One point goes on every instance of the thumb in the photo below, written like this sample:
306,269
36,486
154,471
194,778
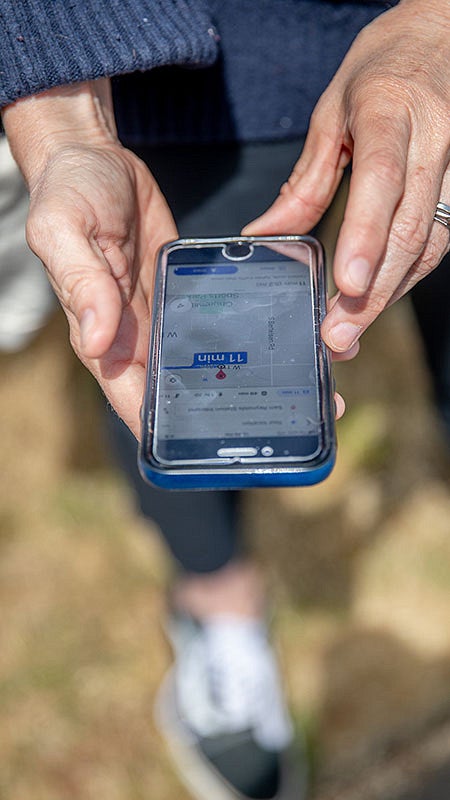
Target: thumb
88,292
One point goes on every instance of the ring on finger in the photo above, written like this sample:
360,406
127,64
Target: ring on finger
442,214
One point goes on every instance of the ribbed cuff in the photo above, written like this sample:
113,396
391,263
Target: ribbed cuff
47,43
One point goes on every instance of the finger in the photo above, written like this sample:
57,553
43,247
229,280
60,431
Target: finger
81,277
436,249
158,228
347,355
415,247
125,395
350,317
339,405
304,198
376,187
339,402
121,371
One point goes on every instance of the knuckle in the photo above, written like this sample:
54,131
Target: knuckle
378,302
385,168
75,286
410,234
433,254
363,310
306,199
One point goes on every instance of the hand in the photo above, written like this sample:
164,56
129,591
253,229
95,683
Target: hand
387,109
97,219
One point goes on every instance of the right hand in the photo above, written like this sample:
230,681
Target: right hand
387,108
97,218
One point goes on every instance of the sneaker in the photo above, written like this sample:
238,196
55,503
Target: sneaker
222,713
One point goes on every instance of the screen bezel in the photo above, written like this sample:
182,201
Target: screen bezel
309,448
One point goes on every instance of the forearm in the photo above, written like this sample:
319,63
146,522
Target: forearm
38,126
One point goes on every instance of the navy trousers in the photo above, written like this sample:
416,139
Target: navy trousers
214,190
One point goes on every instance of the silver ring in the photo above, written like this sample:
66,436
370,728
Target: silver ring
442,214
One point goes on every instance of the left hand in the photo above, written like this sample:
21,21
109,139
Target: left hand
97,219
387,109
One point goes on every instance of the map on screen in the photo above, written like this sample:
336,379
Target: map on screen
237,351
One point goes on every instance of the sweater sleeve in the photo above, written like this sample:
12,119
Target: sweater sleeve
47,43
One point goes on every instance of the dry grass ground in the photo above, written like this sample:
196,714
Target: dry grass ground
360,568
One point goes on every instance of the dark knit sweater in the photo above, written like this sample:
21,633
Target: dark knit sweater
190,70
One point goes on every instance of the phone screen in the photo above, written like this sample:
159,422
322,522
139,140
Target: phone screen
238,372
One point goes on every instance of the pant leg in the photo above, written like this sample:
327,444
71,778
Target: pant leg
200,528
212,191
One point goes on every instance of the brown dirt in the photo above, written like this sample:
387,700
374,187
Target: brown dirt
360,569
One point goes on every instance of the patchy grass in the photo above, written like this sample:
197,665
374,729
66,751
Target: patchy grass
360,568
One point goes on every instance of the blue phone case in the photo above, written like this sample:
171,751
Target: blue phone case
238,474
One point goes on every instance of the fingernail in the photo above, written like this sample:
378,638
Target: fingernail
87,324
343,335
248,229
359,273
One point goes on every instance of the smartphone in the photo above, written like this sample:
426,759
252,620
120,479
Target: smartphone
239,389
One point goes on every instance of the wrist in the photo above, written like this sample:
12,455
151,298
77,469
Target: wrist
66,116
